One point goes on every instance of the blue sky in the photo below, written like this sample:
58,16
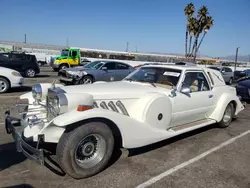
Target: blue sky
151,25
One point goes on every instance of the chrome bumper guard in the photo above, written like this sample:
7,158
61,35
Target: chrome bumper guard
15,127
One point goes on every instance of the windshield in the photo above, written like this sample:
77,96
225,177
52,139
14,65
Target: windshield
164,76
91,64
97,66
64,52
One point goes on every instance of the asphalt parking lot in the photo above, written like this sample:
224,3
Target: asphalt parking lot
209,157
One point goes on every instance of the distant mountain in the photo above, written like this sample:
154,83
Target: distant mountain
240,58
229,57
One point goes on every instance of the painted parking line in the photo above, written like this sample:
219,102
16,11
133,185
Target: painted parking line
183,165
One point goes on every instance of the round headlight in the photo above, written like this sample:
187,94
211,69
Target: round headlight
37,92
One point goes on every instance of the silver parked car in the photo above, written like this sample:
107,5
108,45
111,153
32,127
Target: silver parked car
95,71
226,72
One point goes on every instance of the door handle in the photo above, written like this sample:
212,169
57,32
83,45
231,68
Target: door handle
210,96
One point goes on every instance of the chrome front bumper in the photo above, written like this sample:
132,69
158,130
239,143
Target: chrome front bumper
15,127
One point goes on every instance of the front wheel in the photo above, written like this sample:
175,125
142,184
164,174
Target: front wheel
227,116
85,150
86,80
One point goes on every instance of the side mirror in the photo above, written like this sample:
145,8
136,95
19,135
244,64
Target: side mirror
173,92
185,90
104,68
223,71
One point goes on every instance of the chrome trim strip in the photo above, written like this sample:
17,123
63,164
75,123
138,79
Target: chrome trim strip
112,106
122,108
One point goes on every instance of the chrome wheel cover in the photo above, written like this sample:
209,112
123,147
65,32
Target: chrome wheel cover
227,115
90,151
3,86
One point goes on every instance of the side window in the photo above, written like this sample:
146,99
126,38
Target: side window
110,66
228,70
4,57
122,66
17,57
196,81
74,53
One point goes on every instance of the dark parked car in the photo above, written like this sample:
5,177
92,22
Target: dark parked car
238,74
226,72
95,71
243,87
26,64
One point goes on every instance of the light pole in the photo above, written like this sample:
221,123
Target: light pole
236,57
127,47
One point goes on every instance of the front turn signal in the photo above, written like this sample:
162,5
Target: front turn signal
82,108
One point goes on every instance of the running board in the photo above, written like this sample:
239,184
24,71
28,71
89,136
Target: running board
192,125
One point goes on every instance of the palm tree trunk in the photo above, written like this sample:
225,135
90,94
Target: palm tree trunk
186,42
190,44
194,49
204,34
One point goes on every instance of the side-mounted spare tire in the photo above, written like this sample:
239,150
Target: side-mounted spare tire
85,150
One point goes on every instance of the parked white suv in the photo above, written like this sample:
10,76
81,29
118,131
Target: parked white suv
9,78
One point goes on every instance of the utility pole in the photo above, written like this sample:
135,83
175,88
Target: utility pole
236,58
67,42
24,38
127,47
136,50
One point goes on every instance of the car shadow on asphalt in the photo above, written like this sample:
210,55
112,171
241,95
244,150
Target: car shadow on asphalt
9,156
20,89
20,186
42,76
52,164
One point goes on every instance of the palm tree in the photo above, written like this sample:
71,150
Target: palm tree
191,31
201,18
208,24
189,11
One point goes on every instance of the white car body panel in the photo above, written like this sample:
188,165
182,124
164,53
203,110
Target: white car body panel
143,102
15,81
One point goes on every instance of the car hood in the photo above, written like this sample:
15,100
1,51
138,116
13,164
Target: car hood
119,89
245,83
74,69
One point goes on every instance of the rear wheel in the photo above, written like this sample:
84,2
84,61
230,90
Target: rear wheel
30,73
63,66
227,116
85,150
4,85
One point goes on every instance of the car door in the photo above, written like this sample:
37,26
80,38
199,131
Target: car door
107,72
4,60
121,71
17,62
198,104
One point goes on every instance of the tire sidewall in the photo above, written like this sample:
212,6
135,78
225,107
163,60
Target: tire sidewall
7,85
71,139
226,124
63,65
26,73
89,77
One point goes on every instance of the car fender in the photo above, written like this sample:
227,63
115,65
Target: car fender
134,133
222,103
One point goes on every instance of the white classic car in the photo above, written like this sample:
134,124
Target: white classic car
88,122
9,78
